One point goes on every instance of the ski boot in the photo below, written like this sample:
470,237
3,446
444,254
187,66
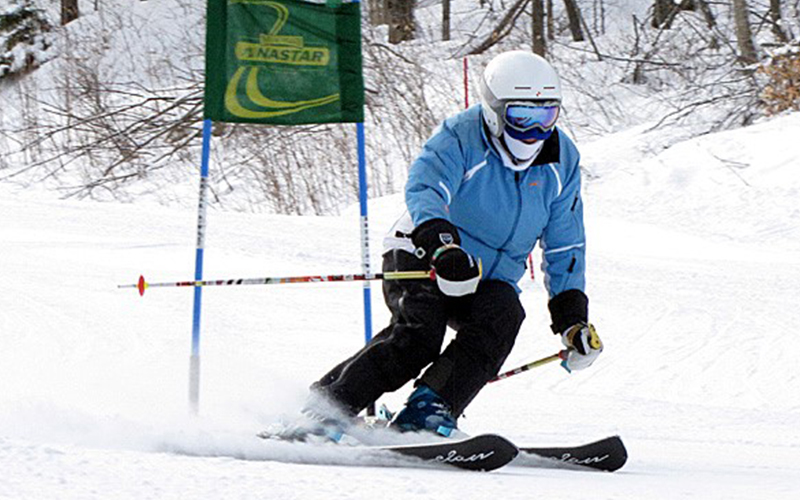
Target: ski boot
425,410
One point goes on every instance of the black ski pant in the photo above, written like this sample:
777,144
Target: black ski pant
487,323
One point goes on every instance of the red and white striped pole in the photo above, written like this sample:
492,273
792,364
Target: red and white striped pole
143,285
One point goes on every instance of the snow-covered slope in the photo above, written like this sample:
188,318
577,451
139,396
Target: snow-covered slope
693,277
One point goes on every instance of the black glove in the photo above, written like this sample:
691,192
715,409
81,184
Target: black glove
457,272
432,234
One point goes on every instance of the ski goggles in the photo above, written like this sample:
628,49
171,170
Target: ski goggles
527,116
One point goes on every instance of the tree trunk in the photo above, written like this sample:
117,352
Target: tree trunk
445,20
551,30
574,16
376,11
539,42
69,11
744,35
599,17
711,22
665,12
401,20
777,21
662,10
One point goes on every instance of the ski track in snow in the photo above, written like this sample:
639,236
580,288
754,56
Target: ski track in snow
699,374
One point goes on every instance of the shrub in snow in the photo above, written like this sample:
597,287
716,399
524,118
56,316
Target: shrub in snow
782,90
24,37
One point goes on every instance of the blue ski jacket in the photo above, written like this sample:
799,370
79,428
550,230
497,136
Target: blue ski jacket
501,213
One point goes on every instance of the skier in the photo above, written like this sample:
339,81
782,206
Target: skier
491,182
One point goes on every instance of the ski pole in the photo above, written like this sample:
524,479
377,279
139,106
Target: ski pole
534,364
143,285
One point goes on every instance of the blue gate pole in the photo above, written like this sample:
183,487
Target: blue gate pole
365,260
194,359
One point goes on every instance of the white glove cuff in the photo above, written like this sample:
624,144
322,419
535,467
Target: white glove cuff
458,288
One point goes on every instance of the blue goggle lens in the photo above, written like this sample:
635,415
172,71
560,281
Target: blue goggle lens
524,117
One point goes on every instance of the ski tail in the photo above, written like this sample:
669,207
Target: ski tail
485,452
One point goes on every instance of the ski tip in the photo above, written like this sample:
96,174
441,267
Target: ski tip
142,285
608,454
621,452
615,451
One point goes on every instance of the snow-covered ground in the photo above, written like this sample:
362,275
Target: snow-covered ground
693,276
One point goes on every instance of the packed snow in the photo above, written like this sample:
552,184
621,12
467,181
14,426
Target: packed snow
693,275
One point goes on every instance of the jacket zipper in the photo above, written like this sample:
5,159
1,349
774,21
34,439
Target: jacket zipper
517,216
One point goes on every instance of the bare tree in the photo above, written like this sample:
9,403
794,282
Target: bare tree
662,9
711,21
574,16
777,21
744,35
599,16
708,15
665,11
376,11
69,11
106,136
445,20
99,135
401,20
539,42
503,28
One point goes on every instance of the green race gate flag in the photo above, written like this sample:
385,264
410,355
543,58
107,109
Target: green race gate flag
283,62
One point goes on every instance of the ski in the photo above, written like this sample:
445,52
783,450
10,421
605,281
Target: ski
607,455
484,452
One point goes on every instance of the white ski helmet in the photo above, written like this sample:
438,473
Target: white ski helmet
517,75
